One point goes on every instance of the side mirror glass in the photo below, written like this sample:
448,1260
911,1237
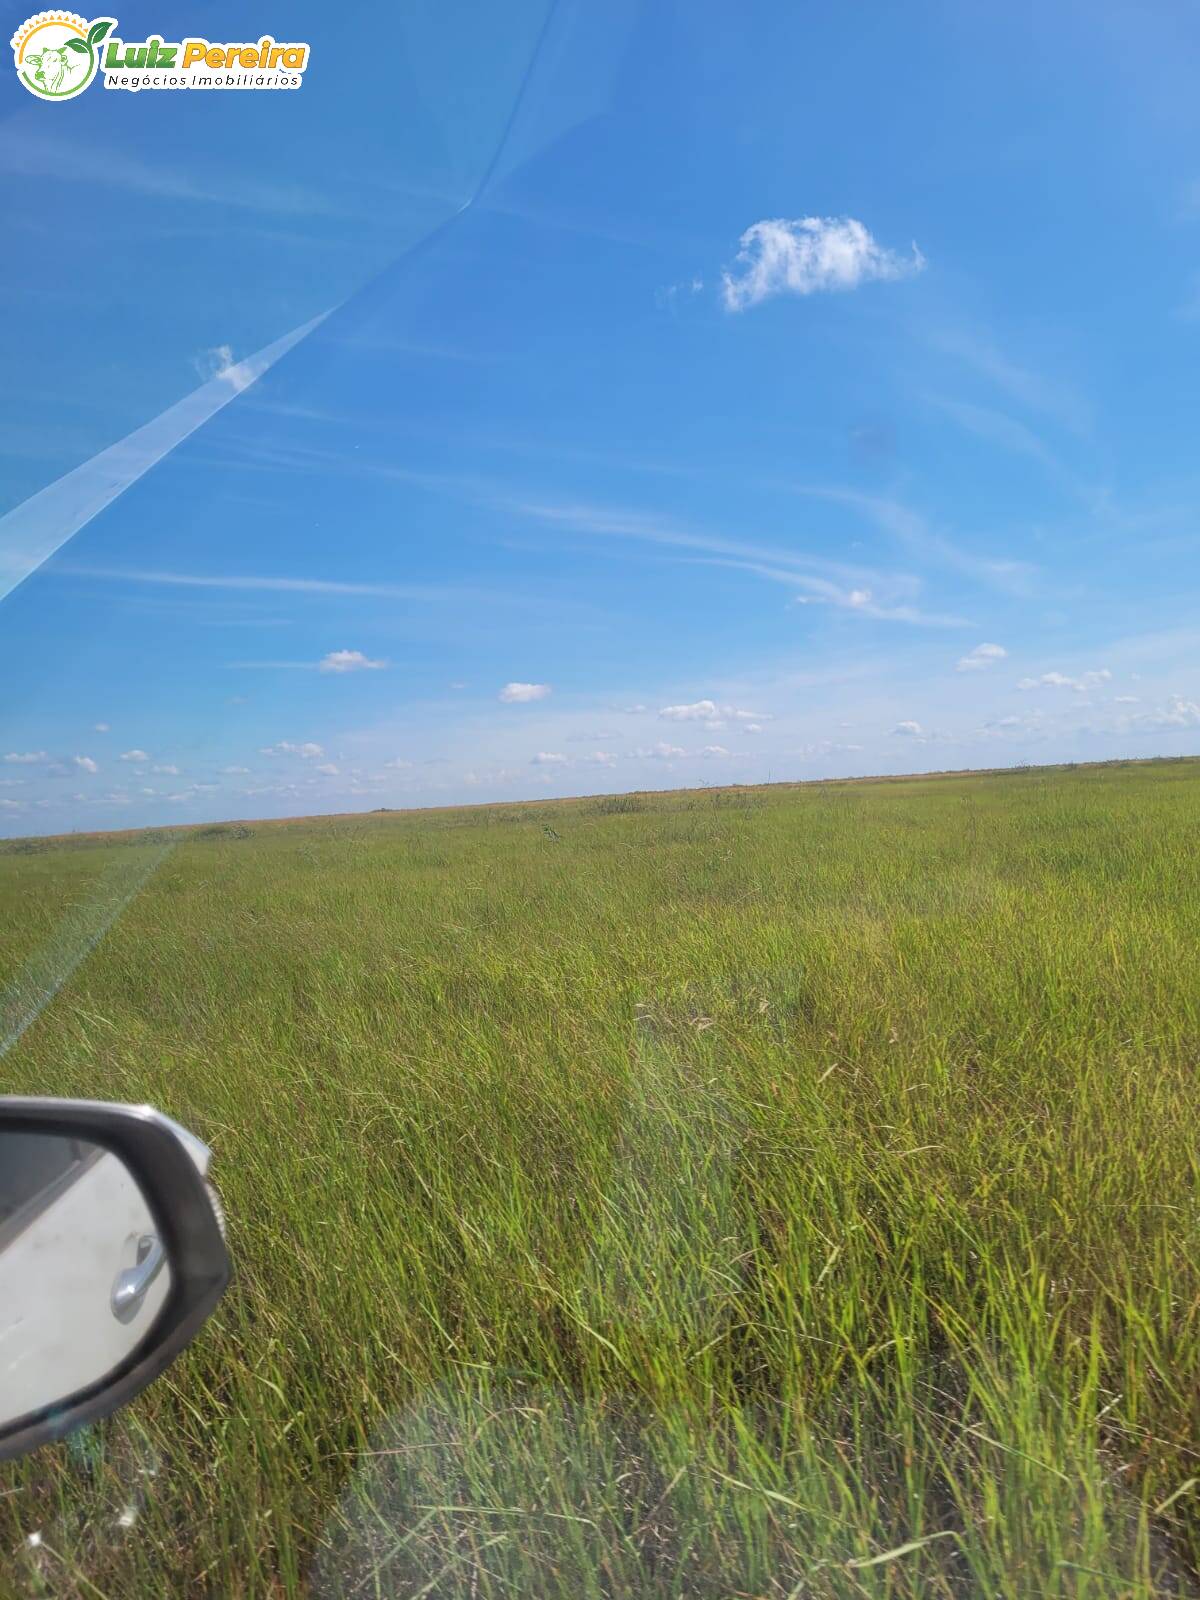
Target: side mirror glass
111,1256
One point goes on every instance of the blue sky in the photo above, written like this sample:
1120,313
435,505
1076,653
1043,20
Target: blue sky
586,398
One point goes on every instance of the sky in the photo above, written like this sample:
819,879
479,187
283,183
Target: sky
568,398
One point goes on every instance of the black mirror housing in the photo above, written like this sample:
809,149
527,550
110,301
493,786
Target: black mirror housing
152,1151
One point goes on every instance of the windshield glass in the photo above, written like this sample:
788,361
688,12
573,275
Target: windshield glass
599,620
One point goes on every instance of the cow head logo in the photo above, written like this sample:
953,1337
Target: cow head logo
57,53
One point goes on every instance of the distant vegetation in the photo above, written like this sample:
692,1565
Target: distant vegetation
792,1193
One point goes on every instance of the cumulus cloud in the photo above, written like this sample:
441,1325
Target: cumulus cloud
808,255
167,769
698,711
285,747
602,758
983,655
823,747
1059,680
519,694
85,763
26,758
710,714
348,661
548,758
909,730
398,763
134,755
752,727
1127,700
12,805
660,751
1177,713
218,362
235,772
328,768
714,751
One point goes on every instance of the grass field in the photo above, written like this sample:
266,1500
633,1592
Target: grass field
780,1193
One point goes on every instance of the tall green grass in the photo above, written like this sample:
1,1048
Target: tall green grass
791,1195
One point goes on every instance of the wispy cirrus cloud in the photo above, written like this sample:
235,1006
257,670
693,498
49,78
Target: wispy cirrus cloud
809,255
914,533
995,427
883,596
252,582
37,153
1035,390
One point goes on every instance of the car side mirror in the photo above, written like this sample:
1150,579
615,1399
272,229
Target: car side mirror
112,1256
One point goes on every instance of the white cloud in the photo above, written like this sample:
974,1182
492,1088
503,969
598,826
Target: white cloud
548,758
328,768
26,758
661,751
983,655
698,711
1059,680
602,758
823,747
714,751
1127,700
711,714
909,730
134,755
1178,713
238,772
285,747
519,694
799,571
167,769
349,661
85,763
398,764
12,805
807,255
218,362
103,727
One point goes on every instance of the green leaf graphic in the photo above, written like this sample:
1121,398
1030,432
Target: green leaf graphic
77,44
97,31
